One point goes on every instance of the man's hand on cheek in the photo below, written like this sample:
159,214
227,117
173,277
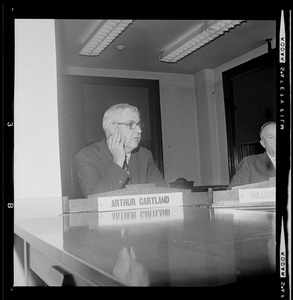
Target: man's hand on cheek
116,143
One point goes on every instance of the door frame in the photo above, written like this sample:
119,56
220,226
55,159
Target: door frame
68,173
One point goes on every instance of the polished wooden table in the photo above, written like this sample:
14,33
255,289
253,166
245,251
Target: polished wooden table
176,246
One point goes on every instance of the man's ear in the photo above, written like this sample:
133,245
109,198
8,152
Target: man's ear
262,143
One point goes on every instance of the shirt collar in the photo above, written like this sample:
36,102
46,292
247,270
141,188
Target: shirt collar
273,159
128,157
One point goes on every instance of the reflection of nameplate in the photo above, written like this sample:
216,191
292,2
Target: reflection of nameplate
152,215
106,203
257,195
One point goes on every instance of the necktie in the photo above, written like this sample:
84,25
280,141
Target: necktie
126,169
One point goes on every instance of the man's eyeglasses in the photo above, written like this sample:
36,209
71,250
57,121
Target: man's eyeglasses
132,125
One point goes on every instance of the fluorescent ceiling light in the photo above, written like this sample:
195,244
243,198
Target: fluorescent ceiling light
102,36
197,39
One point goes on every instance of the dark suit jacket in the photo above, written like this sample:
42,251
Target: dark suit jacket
252,169
97,173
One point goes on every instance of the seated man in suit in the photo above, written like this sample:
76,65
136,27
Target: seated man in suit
116,160
259,167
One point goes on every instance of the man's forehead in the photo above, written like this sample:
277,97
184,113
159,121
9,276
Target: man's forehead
271,128
129,116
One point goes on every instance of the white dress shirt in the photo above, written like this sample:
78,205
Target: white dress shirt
273,159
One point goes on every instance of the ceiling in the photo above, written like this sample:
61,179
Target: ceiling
144,40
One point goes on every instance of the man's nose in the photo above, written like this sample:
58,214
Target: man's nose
138,129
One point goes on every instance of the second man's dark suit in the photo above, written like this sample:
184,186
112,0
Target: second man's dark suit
252,169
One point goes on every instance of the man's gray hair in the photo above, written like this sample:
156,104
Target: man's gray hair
265,125
113,112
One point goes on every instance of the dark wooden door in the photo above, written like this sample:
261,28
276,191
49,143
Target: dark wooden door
250,101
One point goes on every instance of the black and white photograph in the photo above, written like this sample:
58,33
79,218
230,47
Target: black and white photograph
140,151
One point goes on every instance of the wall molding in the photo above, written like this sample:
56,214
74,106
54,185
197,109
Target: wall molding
171,78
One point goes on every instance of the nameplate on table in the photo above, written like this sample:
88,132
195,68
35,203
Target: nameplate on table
257,195
137,216
107,203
